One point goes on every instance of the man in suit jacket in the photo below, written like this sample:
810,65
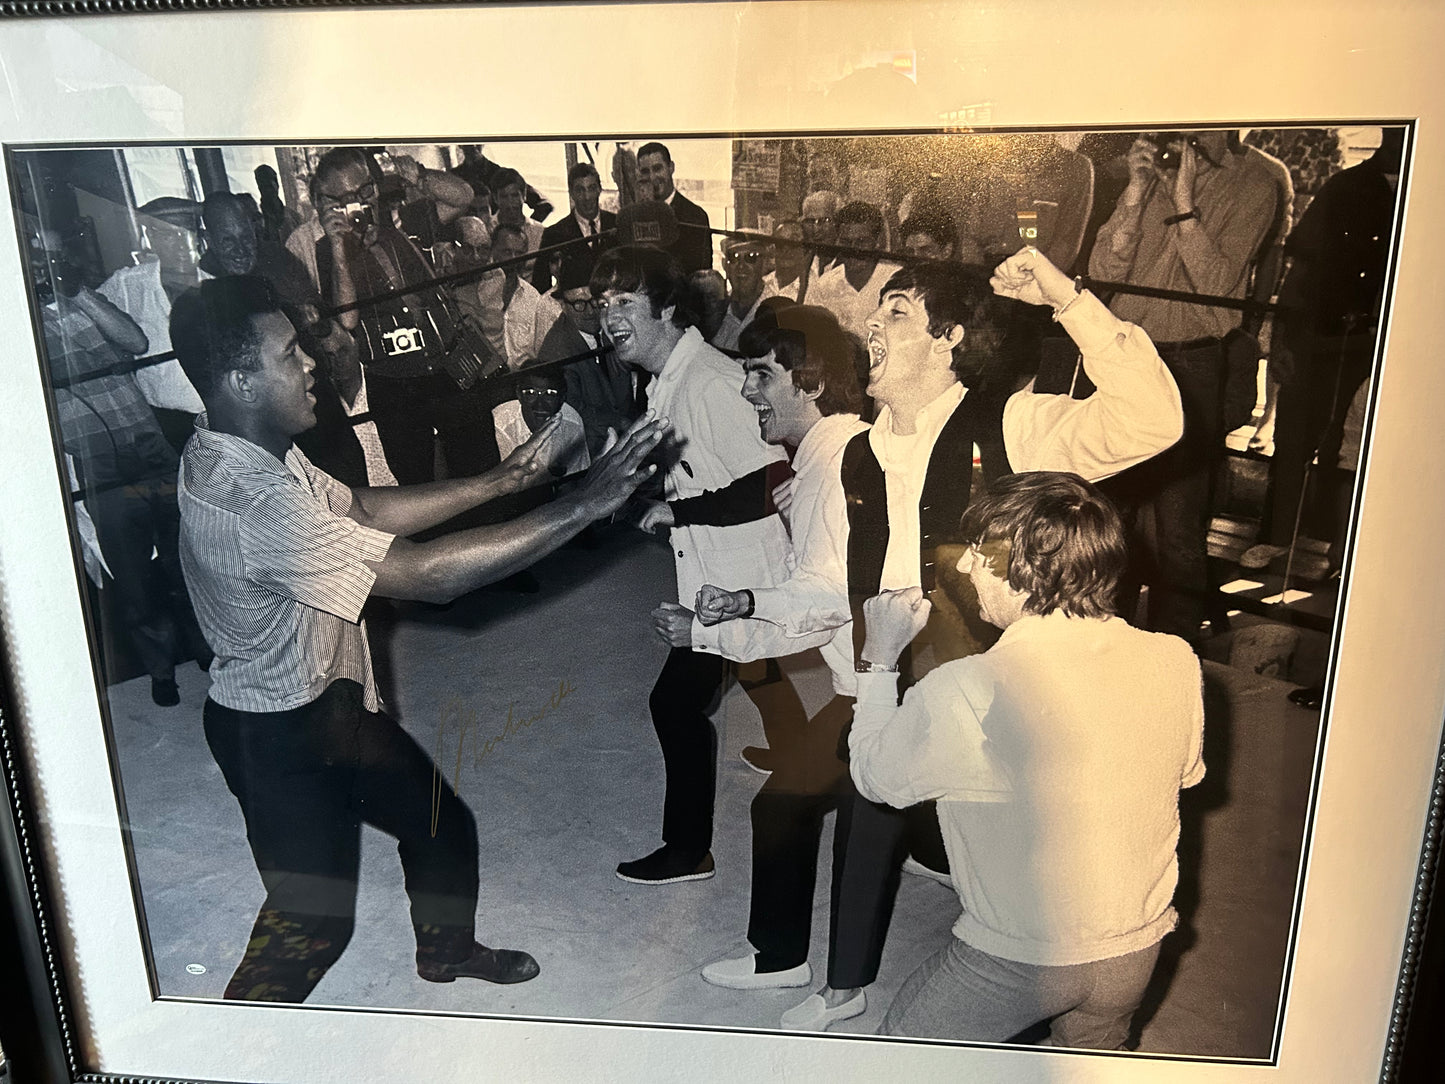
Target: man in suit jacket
693,247
586,220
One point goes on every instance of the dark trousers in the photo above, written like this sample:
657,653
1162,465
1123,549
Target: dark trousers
131,497
306,780
872,840
407,411
1309,418
787,817
683,699
1167,498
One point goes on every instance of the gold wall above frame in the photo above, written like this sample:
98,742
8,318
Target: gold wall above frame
751,99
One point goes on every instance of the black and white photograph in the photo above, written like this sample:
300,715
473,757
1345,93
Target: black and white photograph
872,584
651,541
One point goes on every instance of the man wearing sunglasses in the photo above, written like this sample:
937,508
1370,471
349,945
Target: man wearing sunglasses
746,261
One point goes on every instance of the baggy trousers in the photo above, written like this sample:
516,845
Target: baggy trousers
307,780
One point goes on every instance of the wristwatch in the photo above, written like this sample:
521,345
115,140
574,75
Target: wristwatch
1174,220
863,666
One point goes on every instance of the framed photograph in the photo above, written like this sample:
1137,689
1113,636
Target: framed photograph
147,154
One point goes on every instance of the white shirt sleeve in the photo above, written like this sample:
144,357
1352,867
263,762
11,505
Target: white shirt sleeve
815,594
930,746
1134,413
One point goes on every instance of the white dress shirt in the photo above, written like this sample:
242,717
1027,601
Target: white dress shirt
1134,413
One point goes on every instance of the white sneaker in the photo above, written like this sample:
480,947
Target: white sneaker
813,1013
741,973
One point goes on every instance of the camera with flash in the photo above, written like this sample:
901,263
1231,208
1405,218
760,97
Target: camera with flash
359,215
403,340
1166,154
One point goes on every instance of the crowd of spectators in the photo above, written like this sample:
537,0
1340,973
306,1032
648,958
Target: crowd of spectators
413,288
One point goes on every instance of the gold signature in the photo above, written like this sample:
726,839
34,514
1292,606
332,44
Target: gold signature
458,718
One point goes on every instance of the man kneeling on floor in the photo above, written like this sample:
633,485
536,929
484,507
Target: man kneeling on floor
1057,758
279,558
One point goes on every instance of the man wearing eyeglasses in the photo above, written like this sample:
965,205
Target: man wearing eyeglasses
745,262
600,388
421,363
819,218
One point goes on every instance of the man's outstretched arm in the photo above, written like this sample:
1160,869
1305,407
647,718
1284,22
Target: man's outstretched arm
405,510
448,567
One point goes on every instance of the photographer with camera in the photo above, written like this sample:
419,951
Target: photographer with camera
421,362
1193,218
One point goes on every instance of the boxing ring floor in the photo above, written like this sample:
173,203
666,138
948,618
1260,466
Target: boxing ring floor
574,784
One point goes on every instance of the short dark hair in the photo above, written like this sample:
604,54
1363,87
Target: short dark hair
1064,539
934,222
507,176
654,148
859,212
213,328
637,269
580,170
507,227
808,342
337,159
957,295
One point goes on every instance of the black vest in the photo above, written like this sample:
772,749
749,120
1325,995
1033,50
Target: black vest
947,488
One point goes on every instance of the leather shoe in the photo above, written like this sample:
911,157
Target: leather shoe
741,973
666,866
494,965
1311,698
164,692
813,1014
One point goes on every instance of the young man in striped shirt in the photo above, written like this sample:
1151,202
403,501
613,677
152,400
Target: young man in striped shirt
279,558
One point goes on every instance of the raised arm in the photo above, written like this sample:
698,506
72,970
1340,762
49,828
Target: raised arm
1217,260
451,194
342,287
1118,238
1135,411
931,745
111,322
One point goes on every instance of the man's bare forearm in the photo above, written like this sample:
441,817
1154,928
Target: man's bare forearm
405,510
451,566
112,322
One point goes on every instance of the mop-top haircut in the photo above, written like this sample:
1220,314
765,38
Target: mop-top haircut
1054,537
958,295
807,341
213,328
637,269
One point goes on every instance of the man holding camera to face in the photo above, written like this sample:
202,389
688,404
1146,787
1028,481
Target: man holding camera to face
421,363
1196,210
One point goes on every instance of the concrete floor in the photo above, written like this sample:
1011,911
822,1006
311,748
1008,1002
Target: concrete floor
559,803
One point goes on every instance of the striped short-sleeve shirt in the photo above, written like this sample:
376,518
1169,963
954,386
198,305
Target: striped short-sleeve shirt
276,571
